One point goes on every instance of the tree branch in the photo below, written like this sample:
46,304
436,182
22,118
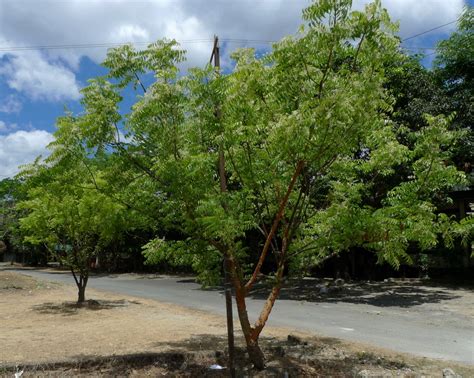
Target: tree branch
140,82
275,225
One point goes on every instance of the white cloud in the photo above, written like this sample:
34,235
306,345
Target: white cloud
416,16
96,21
30,73
10,104
130,33
50,75
21,147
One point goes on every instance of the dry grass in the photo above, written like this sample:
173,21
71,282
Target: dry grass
38,325
115,335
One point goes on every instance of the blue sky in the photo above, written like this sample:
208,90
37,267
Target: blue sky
36,85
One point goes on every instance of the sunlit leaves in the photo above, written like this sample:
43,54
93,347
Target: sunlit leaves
317,101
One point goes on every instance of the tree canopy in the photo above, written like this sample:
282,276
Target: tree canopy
293,156
67,212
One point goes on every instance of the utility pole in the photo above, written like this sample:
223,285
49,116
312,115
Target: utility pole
226,264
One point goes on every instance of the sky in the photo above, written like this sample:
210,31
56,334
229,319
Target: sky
37,84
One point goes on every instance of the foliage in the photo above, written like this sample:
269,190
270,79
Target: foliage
456,54
287,147
8,216
66,213
405,215
453,67
416,91
282,157
11,192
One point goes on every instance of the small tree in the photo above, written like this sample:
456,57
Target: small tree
68,215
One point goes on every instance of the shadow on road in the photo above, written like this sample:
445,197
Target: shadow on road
380,294
396,293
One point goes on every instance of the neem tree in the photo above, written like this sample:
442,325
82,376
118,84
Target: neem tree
284,147
66,211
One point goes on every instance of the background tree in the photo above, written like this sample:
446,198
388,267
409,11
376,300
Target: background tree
11,192
8,215
65,210
453,68
416,91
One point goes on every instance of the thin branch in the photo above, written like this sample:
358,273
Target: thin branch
140,82
357,51
263,228
275,225
425,177
326,71
74,275
117,132
362,38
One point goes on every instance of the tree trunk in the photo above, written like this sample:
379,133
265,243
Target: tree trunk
81,286
81,297
252,334
256,355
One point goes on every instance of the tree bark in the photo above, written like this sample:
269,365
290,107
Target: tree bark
256,355
81,287
268,306
252,333
81,295
276,223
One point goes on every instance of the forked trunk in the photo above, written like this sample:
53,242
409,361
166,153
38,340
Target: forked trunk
256,355
81,283
252,334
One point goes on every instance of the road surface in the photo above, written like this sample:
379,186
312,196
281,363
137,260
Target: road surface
421,323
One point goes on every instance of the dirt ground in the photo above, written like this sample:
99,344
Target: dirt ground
43,333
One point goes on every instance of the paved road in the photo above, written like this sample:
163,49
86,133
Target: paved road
419,327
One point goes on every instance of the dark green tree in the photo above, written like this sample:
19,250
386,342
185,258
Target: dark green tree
453,68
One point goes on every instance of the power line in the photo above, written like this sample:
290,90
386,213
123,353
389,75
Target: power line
418,48
117,44
184,41
190,41
86,45
429,31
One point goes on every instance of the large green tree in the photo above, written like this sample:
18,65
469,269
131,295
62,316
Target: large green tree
284,151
